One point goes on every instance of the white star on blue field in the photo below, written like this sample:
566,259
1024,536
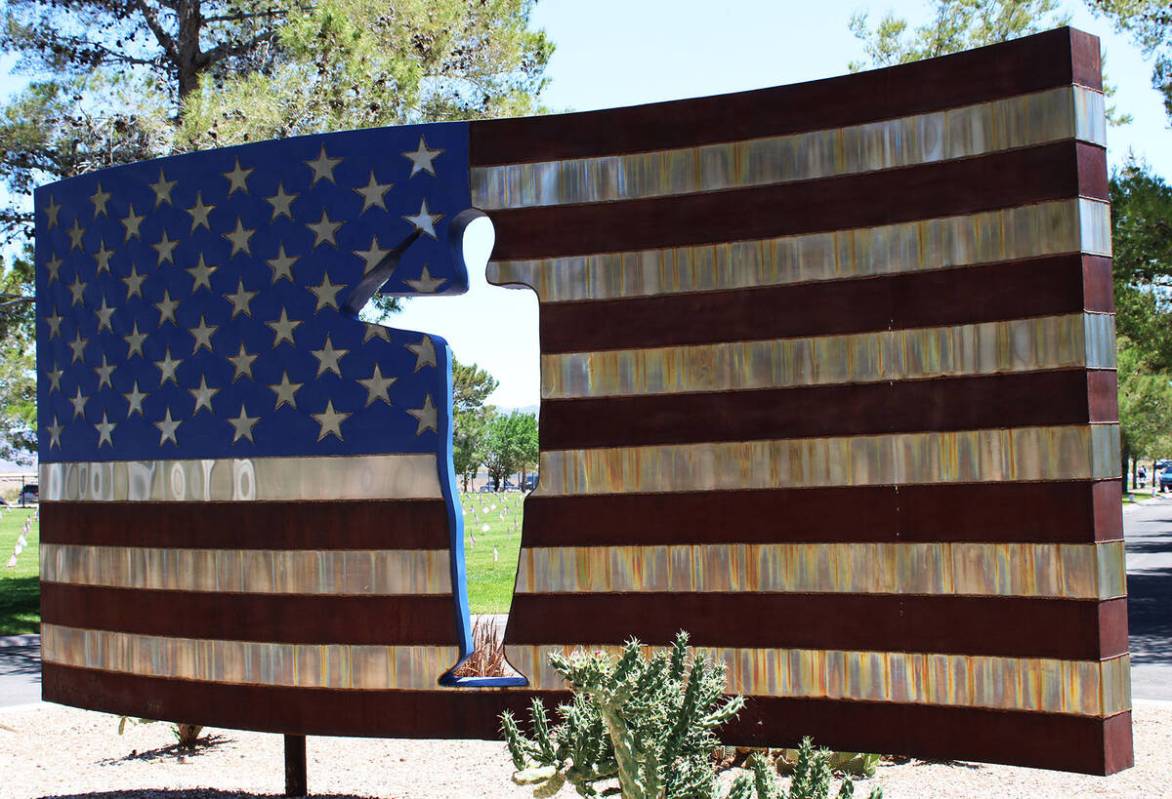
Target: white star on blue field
193,307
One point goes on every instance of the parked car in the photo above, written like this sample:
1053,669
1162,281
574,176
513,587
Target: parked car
530,482
486,488
30,493
1165,479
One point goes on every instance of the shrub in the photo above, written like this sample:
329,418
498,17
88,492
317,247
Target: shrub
649,723
488,653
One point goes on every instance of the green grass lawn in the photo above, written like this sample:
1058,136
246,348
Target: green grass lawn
20,595
490,579
492,523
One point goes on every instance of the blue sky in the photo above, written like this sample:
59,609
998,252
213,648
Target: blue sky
623,52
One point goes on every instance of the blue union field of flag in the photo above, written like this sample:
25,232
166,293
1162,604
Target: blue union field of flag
205,386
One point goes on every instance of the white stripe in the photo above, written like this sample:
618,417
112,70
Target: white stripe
1084,341
1067,452
1027,120
338,666
386,572
406,476
1007,234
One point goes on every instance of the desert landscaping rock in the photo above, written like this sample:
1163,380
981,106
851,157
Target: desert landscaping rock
52,751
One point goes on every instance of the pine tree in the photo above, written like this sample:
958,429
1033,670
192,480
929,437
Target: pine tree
116,81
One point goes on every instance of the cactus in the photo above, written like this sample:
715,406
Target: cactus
764,777
650,723
812,775
647,721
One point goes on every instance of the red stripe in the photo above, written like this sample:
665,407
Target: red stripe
1071,512
1073,743
1011,627
1051,59
284,618
375,524
1080,744
1087,64
1098,283
1103,395
1013,290
1092,172
1050,172
855,409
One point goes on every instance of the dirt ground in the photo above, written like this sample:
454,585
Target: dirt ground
47,750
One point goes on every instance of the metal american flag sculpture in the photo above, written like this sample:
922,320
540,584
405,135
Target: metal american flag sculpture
827,379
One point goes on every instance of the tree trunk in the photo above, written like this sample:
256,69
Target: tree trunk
190,18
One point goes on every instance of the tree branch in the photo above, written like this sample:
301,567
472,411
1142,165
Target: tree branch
224,50
152,21
244,15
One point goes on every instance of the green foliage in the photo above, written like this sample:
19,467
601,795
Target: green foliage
18,380
510,444
813,774
1141,222
18,402
957,25
650,724
1141,227
1149,22
1145,405
471,387
359,63
118,82
857,764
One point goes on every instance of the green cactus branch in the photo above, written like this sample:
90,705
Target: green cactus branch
644,727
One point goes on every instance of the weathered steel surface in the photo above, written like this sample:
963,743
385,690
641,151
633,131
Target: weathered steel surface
827,378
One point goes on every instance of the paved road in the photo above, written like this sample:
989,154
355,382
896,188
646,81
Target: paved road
1148,531
20,670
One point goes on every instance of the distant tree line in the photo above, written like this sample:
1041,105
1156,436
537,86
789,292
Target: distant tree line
503,443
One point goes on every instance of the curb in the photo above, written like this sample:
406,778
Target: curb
1154,500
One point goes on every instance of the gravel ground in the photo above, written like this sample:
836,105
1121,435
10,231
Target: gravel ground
48,750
